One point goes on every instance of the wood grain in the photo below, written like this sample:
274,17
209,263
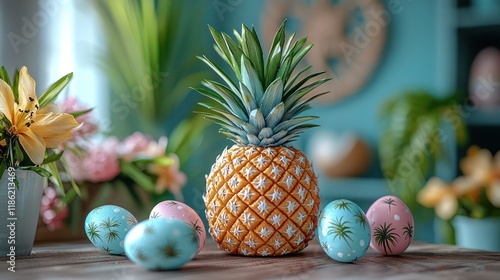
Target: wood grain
421,260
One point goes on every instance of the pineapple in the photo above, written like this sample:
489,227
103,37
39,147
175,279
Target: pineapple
261,194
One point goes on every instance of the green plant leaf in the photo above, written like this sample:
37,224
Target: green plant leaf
276,115
50,95
272,97
247,98
220,72
252,49
52,158
4,75
251,80
234,119
75,189
257,119
15,87
76,114
3,167
274,57
39,170
137,176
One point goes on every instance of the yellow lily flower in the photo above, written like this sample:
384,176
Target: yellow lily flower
37,128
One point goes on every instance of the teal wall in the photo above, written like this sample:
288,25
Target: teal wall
408,61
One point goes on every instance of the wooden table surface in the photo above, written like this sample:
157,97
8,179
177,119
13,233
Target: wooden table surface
420,261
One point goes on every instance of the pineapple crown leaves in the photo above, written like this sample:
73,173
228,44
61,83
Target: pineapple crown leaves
261,106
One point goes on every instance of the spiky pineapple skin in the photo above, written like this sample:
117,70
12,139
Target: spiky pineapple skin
246,213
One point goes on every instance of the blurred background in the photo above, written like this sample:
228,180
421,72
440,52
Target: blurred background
416,83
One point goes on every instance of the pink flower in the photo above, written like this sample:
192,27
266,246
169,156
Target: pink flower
139,145
98,164
52,210
101,164
75,166
88,127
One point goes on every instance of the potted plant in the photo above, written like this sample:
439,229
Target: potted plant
32,134
412,139
415,126
471,201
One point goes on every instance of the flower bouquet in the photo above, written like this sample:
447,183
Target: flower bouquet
33,132
105,168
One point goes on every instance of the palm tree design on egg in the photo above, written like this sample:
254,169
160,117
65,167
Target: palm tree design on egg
154,215
140,255
343,205
390,202
361,219
408,231
109,225
385,237
169,250
341,230
93,232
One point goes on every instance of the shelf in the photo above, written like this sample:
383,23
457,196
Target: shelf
470,18
363,191
485,117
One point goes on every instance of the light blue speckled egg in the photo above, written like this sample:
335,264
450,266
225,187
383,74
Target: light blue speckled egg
106,227
344,231
161,243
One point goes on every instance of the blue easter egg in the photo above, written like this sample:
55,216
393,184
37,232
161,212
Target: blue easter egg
344,231
161,243
106,227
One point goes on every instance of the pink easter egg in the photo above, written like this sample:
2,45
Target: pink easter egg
392,225
181,211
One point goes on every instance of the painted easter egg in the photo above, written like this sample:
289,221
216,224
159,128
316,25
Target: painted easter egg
392,225
106,227
161,244
344,232
181,211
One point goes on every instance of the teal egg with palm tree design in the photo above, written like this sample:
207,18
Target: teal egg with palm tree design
343,231
162,243
106,227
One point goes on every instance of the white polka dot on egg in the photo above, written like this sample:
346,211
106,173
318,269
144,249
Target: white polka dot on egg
340,255
396,217
361,243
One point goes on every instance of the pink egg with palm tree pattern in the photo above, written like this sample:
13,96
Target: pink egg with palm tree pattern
181,211
391,224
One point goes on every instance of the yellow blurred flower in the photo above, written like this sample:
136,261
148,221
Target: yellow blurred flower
481,174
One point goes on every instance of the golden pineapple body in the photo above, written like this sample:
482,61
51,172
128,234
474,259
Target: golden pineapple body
262,201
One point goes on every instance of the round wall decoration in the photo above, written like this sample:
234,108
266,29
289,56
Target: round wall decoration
348,38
